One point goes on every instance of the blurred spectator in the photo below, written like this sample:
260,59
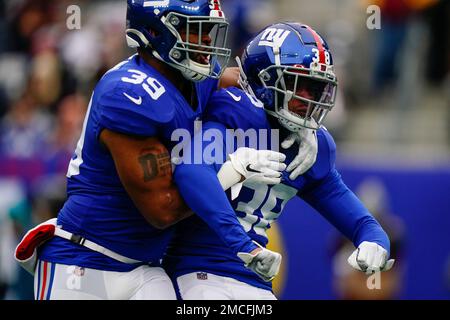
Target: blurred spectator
395,16
438,19
403,17
96,48
15,217
13,79
24,129
3,102
27,18
43,67
45,79
49,195
246,19
3,28
69,120
61,142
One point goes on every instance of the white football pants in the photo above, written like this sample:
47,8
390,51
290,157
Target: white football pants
207,286
53,281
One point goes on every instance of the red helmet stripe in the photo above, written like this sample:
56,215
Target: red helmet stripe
319,44
217,7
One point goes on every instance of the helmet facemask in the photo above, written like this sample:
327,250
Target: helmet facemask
302,96
198,61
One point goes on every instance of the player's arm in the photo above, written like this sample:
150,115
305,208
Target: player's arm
145,170
342,208
328,194
202,191
201,185
229,78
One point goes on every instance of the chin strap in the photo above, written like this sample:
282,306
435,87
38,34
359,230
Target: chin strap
194,71
243,80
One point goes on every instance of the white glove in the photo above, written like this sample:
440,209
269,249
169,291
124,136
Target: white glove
260,166
264,166
307,151
370,257
264,263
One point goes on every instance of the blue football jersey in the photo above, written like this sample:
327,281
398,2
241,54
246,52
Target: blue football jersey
135,99
196,247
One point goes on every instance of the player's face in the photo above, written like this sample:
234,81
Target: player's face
306,88
198,34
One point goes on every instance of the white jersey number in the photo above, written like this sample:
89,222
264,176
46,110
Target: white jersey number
152,86
266,199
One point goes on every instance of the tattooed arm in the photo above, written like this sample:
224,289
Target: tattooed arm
145,170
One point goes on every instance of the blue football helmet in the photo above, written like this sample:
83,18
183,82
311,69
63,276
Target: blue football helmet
164,28
289,67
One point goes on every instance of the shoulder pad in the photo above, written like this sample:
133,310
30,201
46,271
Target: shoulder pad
130,101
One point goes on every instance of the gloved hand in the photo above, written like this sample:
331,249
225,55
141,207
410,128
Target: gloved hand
307,151
265,263
370,257
260,166
264,166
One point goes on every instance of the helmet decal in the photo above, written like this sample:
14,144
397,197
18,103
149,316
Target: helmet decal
273,35
321,54
216,9
161,3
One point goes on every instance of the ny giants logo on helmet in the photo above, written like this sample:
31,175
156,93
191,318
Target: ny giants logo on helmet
216,9
272,36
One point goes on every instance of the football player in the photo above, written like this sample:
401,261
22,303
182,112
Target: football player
110,236
289,69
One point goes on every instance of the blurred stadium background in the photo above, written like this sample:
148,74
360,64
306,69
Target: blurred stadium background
391,125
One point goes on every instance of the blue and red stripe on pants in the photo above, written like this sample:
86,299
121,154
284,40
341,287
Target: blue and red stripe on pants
45,273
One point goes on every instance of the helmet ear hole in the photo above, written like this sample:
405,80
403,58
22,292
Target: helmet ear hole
265,76
132,43
265,96
136,39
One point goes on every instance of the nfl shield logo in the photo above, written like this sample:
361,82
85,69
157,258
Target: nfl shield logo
202,276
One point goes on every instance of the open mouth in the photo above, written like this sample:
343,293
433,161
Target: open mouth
299,109
200,55
203,58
